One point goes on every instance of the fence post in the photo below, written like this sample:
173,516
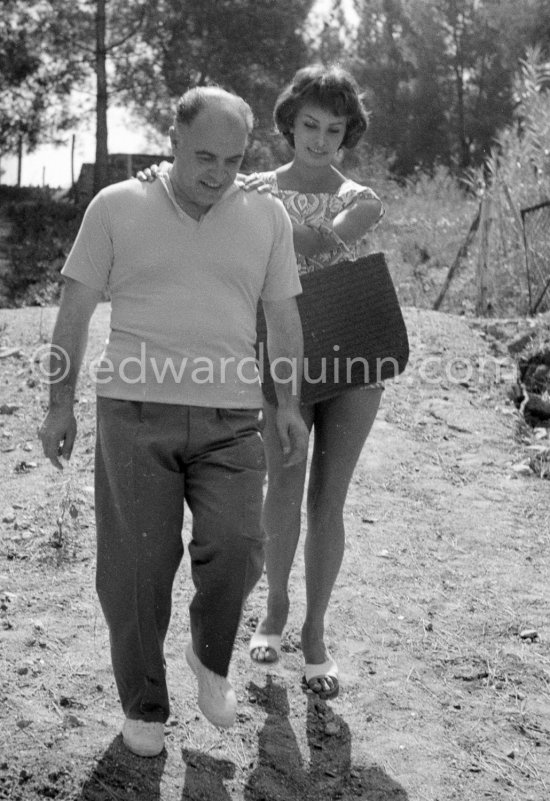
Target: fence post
483,256
461,254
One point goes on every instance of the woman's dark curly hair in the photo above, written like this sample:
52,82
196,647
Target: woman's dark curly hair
331,88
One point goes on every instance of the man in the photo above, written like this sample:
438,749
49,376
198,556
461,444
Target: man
185,260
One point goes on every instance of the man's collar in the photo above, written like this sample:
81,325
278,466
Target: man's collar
164,178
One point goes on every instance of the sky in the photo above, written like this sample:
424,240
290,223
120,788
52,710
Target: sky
51,166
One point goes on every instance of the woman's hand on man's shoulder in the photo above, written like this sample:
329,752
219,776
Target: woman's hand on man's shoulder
150,174
254,182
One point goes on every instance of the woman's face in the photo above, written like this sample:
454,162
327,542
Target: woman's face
318,134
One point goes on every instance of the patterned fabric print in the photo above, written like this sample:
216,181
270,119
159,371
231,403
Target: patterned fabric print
317,210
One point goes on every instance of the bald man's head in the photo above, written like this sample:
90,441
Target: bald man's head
212,97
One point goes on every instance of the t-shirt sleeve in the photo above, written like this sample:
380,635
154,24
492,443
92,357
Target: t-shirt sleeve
282,279
91,256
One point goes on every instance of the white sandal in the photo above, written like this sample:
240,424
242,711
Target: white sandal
269,642
326,670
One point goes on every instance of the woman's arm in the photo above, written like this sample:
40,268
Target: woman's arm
354,222
350,225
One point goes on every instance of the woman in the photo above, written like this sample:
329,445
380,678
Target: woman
318,113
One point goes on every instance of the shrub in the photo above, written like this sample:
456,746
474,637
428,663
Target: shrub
43,230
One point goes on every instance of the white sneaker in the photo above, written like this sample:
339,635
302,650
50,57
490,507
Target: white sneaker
143,738
217,699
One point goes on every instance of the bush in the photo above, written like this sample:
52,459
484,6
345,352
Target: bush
43,230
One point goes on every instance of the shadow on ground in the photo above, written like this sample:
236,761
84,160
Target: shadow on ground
281,774
119,775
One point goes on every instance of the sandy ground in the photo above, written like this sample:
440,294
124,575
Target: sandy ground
439,620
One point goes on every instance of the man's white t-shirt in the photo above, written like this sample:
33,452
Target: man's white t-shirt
184,293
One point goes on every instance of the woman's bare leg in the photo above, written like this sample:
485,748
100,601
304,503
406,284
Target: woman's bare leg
341,426
281,524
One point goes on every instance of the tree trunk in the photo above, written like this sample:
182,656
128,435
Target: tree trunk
464,149
101,167
458,33
73,144
19,159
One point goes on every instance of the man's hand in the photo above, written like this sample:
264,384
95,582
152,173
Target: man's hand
57,434
58,431
293,434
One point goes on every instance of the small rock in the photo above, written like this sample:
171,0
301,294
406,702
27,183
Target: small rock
71,721
529,634
9,517
24,467
521,342
332,727
522,469
24,775
5,352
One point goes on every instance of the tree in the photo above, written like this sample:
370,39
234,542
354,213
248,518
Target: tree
251,47
34,86
439,74
96,31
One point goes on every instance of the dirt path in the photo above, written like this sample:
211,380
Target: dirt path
443,696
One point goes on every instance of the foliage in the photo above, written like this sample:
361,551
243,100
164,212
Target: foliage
97,32
35,84
426,220
516,174
429,214
438,75
43,230
251,47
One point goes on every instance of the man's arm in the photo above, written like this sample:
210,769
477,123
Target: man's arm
285,348
58,431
